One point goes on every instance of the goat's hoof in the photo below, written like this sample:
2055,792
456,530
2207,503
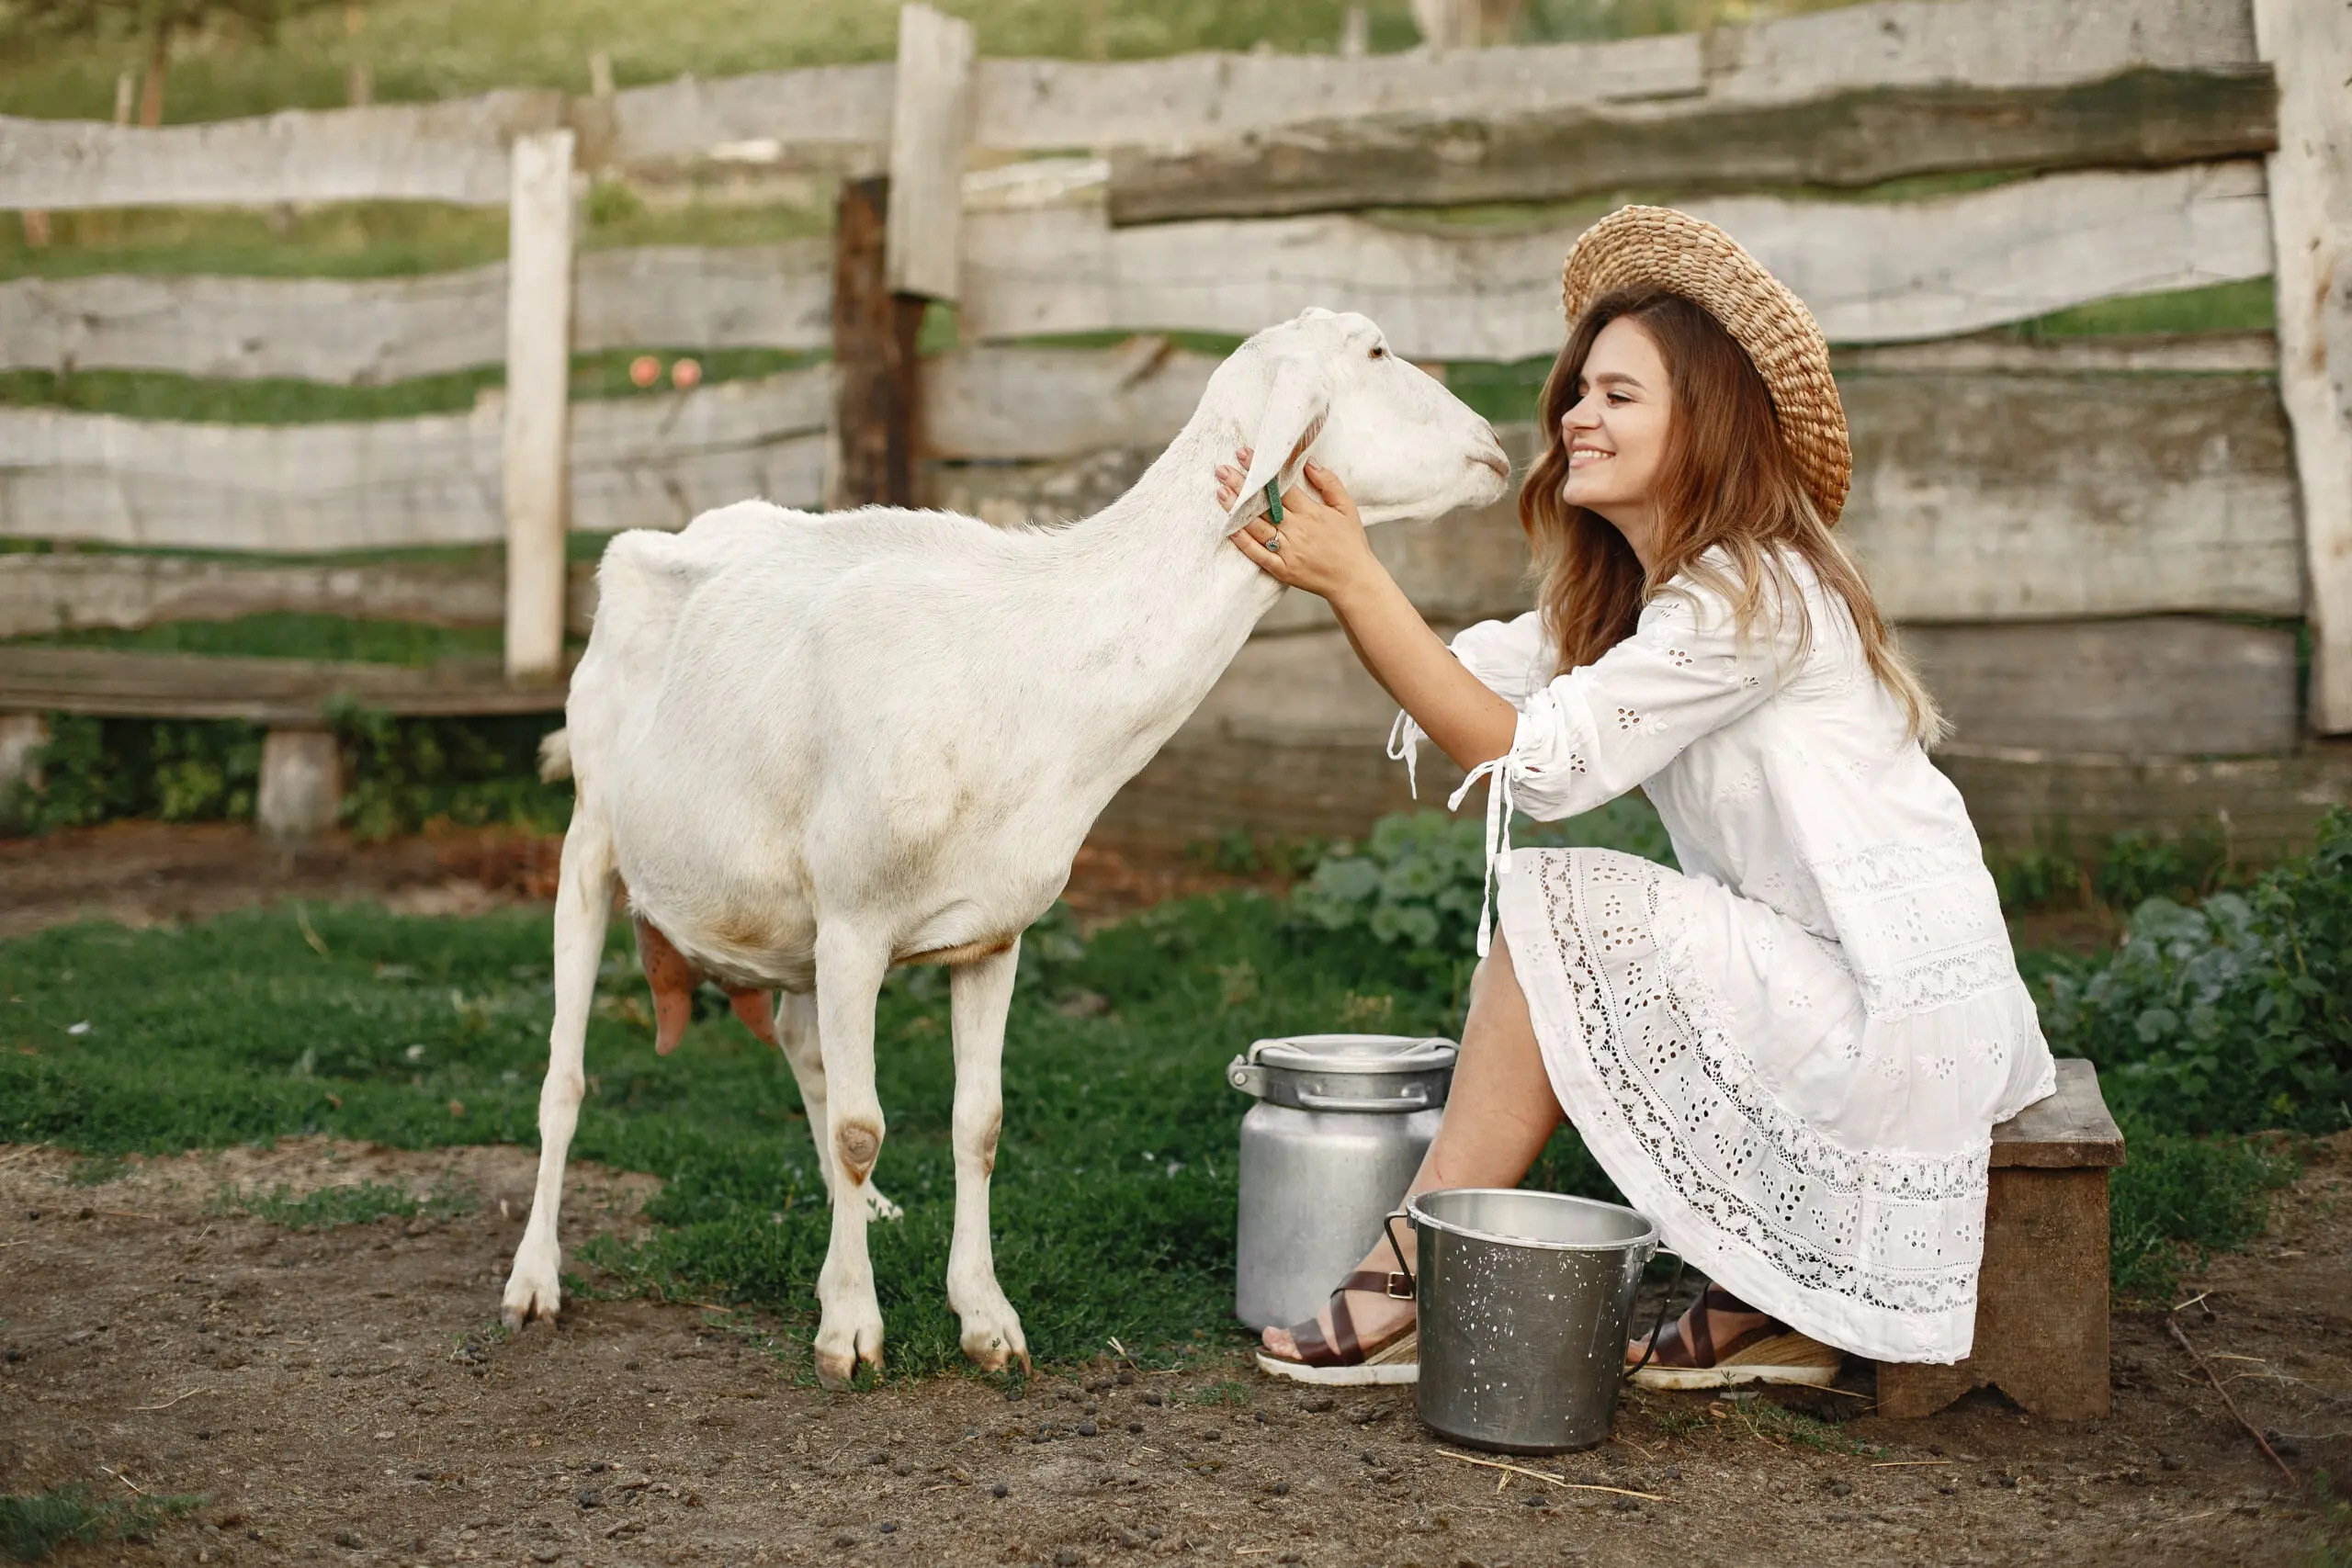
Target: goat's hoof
878,1207
843,1340
990,1342
526,1301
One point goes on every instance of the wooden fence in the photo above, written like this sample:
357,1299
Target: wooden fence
2101,549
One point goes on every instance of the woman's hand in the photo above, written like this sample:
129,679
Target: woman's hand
1321,546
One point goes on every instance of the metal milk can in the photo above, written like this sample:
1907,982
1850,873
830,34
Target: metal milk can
1341,1125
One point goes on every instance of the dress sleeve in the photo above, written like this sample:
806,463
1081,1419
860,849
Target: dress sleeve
1601,729
1510,660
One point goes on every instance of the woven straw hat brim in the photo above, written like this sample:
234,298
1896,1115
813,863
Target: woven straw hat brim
1659,247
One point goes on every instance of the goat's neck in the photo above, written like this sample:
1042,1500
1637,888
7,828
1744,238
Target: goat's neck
1175,598
1162,548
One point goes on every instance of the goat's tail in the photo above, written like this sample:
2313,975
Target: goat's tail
555,756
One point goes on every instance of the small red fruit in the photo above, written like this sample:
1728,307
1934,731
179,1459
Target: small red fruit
686,374
644,370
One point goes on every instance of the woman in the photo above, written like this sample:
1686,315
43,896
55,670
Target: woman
1792,1054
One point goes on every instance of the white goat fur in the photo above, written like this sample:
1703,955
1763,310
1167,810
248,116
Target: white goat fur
815,746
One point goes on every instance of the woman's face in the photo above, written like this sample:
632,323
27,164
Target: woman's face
1616,431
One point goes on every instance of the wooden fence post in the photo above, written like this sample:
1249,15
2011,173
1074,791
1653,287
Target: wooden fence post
538,428
897,244
874,360
2309,44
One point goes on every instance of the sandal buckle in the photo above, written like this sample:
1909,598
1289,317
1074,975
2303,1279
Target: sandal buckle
1399,1287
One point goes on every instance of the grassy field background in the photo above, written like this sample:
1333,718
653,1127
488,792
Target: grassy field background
435,49
1114,1194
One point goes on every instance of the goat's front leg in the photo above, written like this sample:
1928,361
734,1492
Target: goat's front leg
850,967
584,901
797,1035
982,992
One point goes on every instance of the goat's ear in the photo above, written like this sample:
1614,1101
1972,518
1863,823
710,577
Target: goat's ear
1295,407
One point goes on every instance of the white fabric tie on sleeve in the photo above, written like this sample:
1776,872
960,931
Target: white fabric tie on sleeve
1498,772
1405,746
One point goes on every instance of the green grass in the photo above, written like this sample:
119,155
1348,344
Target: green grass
366,238
153,394
358,1205
286,635
1114,1191
427,1033
432,48
34,1524
2178,1200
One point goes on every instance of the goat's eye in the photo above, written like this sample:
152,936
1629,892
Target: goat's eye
1380,351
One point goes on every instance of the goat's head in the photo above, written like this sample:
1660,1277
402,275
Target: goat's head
1325,385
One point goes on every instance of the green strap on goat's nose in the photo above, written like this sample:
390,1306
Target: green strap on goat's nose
1274,500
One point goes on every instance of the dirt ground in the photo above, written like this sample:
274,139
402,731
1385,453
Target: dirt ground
343,1396
140,874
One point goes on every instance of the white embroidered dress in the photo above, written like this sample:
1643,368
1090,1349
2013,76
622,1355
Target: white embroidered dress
1791,1056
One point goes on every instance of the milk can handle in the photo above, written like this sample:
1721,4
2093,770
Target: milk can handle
1310,1101
1649,1346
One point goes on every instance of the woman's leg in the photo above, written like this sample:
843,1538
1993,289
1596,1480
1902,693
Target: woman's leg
1498,1115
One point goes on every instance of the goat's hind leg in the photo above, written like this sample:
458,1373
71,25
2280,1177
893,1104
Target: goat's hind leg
583,902
795,1033
849,966
982,993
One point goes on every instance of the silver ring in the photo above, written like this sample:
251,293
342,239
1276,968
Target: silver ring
1274,541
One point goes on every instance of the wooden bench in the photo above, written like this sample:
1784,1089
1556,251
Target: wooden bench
301,775
2042,1298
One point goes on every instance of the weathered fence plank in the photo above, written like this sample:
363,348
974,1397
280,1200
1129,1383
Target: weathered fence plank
536,437
1871,272
2144,117
2047,486
930,122
453,152
2170,686
369,332
43,593
2005,497
265,691
838,118
2311,43
635,462
2166,686
1048,403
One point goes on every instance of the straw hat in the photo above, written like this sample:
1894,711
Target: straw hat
1659,247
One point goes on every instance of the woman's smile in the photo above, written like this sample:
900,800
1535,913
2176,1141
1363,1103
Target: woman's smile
1581,456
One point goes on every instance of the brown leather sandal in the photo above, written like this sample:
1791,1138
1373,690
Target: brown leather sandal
1344,1358
1686,1355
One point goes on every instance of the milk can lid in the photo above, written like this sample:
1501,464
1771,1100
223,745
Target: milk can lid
1354,1053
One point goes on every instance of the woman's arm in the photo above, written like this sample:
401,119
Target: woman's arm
1324,550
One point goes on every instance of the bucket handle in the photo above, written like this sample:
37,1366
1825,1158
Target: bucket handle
1404,1269
1649,1346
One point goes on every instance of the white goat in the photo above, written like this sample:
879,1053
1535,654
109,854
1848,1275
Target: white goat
813,746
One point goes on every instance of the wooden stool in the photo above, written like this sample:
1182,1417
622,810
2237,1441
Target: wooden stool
2041,1298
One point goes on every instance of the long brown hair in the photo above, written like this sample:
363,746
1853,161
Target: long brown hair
1727,482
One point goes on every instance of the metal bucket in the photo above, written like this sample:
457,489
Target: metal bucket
1524,1298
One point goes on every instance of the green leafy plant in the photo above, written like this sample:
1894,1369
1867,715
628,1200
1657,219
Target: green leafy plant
1414,884
93,770
2232,1016
401,774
